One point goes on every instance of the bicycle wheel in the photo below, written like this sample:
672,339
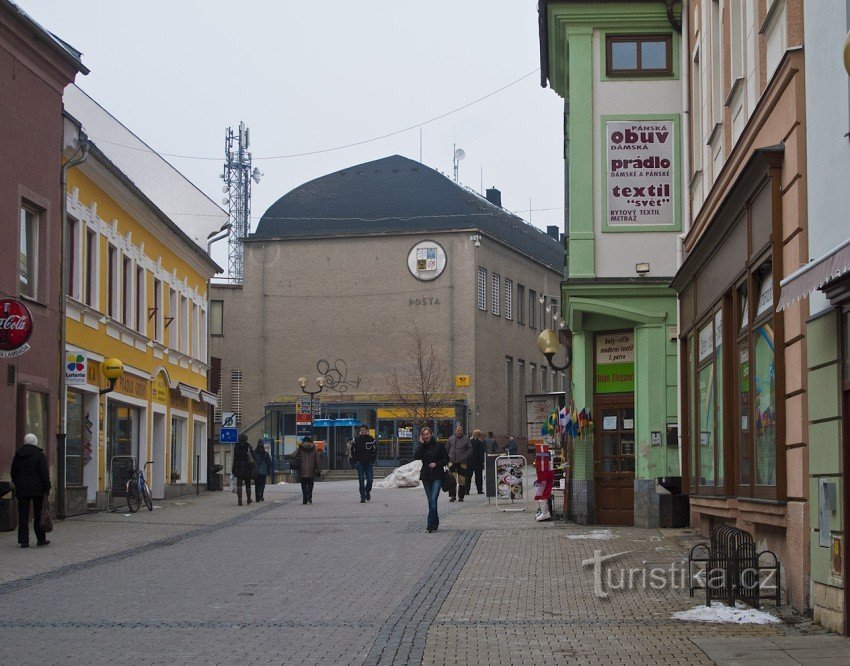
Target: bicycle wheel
146,495
134,502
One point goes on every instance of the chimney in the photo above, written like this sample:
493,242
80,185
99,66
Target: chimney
494,196
553,231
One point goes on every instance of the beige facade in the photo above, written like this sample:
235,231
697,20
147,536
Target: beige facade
743,363
353,298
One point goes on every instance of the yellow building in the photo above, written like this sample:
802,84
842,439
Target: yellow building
137,291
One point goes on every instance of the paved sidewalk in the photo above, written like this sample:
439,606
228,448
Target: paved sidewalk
339,582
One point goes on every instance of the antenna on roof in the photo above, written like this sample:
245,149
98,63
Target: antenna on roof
237,176
457,156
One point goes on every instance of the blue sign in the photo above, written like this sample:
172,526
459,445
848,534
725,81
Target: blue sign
228,435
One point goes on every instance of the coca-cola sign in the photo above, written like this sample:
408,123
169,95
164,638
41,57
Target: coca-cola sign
15,328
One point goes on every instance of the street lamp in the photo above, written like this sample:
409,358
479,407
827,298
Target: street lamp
320,382
548,343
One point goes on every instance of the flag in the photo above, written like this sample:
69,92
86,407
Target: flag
562,418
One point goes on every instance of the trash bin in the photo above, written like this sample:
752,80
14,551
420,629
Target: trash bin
674,507
8,508
215,480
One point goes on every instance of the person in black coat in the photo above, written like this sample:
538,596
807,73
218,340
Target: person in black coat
262,467
434,458
364,453
243,467
32,485
476,462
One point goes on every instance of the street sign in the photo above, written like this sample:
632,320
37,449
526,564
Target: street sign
228,419
228,435
303,406
462,380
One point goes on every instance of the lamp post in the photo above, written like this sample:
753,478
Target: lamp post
320,382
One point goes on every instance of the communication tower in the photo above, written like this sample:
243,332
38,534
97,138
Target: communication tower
237,177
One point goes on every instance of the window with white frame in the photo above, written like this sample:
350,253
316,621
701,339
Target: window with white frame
72,256
173,333
158,310
202,320
509,298
126,291
141,301
496,294
112,279
90,295
716,62
28,256
697,130
184,325
482,289
216,313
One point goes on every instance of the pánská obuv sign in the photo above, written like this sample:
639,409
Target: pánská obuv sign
15,328
639,173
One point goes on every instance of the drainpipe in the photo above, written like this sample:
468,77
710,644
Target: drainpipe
61,435
685,67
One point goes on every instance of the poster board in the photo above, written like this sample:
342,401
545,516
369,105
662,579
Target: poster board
510,483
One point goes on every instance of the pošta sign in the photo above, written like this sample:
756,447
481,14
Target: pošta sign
15,328
639,172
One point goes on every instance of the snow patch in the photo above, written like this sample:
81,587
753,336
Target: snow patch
406,476
720,613
596,535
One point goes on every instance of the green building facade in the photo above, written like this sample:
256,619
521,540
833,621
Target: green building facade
616,65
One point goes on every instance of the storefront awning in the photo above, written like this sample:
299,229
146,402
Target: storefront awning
346,422
323,423
814,275
190,392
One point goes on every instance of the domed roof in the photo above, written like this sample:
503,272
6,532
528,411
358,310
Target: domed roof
397,195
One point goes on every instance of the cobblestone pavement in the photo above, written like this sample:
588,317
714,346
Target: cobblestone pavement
339,582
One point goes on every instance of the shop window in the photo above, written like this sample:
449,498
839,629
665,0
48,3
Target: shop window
756,390
639,55
708,453
520,301
37,417
509,295
496,294
178,448
78,441
216,317
28,255
482,288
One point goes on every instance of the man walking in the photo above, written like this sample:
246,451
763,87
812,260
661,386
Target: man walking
364,453
32,485
476,462
490,444
460,450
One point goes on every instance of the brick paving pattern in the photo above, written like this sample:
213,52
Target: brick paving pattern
339,582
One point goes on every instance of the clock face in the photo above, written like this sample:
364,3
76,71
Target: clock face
426,260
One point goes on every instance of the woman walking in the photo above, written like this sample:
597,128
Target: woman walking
32,485
434,458
306,461
243,467
263,466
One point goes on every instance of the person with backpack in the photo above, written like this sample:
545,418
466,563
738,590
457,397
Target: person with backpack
263,467
31,478
364,453
243,467
306,461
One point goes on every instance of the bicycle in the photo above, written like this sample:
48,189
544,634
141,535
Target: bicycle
138,490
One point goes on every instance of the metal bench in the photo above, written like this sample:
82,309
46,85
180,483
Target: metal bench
730,569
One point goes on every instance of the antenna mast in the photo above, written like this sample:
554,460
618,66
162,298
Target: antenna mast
237,176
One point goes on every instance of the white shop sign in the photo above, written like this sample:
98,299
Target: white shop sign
639,164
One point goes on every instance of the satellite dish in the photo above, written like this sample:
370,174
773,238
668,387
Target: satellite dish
460,154
256,174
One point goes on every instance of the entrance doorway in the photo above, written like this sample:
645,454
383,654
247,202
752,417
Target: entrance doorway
614,459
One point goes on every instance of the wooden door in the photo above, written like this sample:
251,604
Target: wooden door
614,459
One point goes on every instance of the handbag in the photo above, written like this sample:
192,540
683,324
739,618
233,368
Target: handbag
46,520
448,481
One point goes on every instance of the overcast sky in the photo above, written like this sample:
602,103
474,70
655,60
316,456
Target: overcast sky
307,75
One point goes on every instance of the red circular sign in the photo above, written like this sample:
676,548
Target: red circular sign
15,325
